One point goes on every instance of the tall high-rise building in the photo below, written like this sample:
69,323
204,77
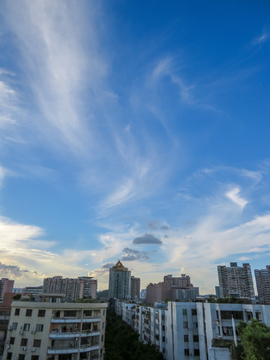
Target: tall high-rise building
119,282
235,281
135,287
6,285
71,288
263,284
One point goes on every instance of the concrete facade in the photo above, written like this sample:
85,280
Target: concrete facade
263,284
56,331
186,330
135,287
71,288
119,282
6,285
236,281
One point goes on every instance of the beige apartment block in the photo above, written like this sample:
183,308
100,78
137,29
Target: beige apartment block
56,331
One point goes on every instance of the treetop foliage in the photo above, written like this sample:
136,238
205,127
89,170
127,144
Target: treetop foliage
121,342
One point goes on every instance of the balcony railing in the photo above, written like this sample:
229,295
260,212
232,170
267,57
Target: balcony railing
72,320
65,320
72,350
71,334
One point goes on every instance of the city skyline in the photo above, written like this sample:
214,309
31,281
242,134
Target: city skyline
135,132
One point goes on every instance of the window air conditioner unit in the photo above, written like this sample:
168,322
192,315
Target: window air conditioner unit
24,349
9,328
21,332
8,347
33,331
33,349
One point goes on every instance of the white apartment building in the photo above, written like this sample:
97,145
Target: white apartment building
55,331
192,330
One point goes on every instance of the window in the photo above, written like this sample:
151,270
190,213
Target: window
28,312
185,324
26,327
37,343
194,311
24,342
195,325
196,352
70,313
21,357
14,326
227,330
184,311
259,316
185,338
41,313
4,322
103,312
195,338
17,312
163,338
217,314
39,327
87,313
34,357
163,328
227,315
186,352
9,355
12,340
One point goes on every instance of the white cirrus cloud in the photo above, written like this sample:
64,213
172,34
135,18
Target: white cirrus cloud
234,197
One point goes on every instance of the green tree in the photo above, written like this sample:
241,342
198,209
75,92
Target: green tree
121,342
255,339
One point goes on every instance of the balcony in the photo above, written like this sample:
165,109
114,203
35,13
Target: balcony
72,334
90,320
86,348
74,320
66,320
74,350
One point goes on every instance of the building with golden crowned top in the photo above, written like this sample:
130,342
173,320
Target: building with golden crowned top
119,282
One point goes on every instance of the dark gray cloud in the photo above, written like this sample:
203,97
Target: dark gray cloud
128,258
166,236
139,255
147,239
165,227
155,225
11,270
108,265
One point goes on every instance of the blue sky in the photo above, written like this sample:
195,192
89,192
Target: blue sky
136,131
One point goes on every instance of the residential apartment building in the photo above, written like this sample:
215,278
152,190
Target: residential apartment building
192,330
6,285
119,282
180,282
33,290
235,281
4,320
143,294
263,284
56,331
172,288
71,288
135,287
